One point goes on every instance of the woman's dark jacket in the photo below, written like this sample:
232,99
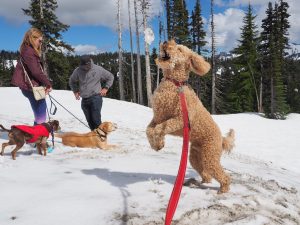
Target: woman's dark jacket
33,65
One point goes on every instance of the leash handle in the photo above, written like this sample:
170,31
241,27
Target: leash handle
173,202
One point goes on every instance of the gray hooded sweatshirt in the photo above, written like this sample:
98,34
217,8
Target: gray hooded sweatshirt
90,82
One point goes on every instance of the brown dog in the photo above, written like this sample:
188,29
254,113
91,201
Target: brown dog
207,143
94,139
19,134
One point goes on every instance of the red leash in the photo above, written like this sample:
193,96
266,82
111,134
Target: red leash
182,167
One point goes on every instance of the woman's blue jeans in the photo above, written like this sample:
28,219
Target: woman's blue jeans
38,107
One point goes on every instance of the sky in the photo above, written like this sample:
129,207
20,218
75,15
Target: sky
93,23
131,184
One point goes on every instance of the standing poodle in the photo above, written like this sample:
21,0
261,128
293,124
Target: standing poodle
207,143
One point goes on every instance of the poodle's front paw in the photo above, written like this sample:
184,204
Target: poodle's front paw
155,138
159,143
156,142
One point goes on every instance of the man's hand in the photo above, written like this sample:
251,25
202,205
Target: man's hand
103,91
77,95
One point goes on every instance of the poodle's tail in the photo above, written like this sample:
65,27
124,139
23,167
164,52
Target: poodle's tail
4,129
228,141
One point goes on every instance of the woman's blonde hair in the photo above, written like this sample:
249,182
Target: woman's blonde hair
31,35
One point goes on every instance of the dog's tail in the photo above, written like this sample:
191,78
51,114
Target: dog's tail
228,141
4,129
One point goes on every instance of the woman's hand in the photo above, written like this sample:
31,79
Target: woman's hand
49,89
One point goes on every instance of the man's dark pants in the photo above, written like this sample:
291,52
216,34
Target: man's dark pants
92,110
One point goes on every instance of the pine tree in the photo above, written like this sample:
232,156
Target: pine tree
181,32
169,4
42,13
283,26
248,76
274,99
197,30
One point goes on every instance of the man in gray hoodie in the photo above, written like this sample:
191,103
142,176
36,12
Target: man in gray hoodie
90,82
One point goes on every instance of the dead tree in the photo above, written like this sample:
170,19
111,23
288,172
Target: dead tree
121,82
131,56
213,60
139,73
145,5
44,46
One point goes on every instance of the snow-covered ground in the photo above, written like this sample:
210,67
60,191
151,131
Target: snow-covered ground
132,183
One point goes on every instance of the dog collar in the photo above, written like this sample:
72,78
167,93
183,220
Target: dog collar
101,136
176,82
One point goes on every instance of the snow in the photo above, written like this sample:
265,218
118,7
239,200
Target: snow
10,63
132,184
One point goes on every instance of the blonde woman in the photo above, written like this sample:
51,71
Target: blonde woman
30,55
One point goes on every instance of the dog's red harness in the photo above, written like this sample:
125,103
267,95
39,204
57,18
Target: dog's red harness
36,131
185,147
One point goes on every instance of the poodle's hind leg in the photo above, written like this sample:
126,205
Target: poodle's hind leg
197,163
219,174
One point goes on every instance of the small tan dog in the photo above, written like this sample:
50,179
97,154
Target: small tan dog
207,143
94,139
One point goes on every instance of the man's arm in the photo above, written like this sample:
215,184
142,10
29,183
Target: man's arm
74,84
108,78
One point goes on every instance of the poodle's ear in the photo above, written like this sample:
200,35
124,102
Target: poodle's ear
172,42
199,65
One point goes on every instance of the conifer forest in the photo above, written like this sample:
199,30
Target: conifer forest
260,74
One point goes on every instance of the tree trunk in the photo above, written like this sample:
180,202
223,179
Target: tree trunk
147,59
260,110
131,57
168,18
139,73
272,98
213,69
45,42
121,82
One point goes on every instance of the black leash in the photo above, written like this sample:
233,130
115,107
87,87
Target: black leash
55,109
52,113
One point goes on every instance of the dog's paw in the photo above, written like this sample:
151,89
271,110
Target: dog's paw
157,143
155,138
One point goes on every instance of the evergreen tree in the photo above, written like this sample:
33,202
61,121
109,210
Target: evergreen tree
181,23
247,81
197,30
283,26
169,4
293,94
42,13
274,99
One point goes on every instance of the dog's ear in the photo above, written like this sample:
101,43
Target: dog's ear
198,64
103,126
55,124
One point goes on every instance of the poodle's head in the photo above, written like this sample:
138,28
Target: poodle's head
179,61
